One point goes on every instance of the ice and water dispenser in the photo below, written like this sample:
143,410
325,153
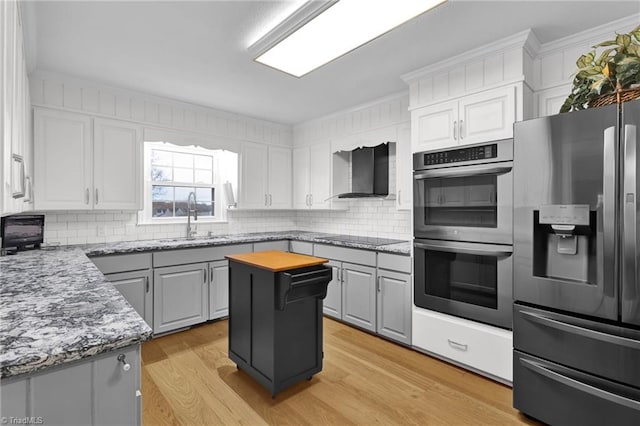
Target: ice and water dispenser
565,242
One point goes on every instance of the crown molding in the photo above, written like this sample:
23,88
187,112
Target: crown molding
517,40
601,31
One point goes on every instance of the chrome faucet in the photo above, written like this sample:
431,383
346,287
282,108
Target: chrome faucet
194,210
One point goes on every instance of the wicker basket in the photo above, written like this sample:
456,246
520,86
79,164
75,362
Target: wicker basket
618,96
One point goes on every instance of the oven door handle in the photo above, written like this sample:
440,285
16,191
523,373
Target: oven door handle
464,248
461,171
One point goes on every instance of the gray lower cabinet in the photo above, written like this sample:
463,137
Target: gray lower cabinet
137,288
394,305
218,289
282,245
93,391
180,296
332,304
359,295
131,274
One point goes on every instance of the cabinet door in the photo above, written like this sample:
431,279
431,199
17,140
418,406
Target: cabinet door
359,295
137,288
301,172
332,304
320,176
218,289
116,391
180,296
394,305
434,126
64,395
253,176
487,116
117,171
404,166
63,153
280,176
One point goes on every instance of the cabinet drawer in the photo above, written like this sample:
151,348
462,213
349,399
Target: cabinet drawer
271,245
559,395
479,346
122,262
343,254
302,247
197,255
579,343
394,262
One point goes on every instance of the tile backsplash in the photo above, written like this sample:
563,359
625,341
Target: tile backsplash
374,218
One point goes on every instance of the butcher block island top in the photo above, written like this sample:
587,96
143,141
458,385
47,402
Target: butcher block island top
277,261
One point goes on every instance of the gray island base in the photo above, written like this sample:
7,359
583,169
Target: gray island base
275,316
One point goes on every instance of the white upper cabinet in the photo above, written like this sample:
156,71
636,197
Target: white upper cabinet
312,177
320,176
253,179
265,177
301,172
435,126
16,145
63,158
117,157
477,118
487,116
83,163
280,175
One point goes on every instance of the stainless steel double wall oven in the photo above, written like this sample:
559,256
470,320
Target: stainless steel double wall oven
463,222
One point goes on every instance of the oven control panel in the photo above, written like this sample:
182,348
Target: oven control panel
463,154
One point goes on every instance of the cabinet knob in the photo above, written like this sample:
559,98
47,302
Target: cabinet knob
455,130
125,365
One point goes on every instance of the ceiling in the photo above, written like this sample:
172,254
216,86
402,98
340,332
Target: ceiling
196,51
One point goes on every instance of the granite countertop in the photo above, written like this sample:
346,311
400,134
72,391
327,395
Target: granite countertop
402,247
57,307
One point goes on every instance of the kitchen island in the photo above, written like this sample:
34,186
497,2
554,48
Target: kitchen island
275,316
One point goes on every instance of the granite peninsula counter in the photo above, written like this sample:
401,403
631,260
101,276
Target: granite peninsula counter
57,307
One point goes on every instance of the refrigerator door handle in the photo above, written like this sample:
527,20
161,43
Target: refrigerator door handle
630,218
609,212
576,384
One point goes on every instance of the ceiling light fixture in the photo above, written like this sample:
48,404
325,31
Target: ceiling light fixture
320,31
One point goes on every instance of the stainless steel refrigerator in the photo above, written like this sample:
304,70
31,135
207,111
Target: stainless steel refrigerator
576,322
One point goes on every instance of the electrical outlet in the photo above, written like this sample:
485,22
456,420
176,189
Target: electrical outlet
100,231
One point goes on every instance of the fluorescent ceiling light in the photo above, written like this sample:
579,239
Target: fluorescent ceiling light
332,29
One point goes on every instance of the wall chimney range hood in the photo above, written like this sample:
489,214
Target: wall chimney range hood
369,172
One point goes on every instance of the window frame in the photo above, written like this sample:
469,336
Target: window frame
145,216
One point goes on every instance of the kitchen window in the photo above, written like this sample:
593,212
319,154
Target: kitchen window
172,172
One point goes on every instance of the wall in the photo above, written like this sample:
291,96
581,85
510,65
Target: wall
363,217
74,227
555,63
366,217
160,114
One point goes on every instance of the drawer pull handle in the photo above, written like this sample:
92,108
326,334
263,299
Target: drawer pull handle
458,346
581,331
540,369
125,365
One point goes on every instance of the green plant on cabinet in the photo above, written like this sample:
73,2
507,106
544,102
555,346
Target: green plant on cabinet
617,67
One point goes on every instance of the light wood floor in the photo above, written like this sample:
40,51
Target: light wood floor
187,379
